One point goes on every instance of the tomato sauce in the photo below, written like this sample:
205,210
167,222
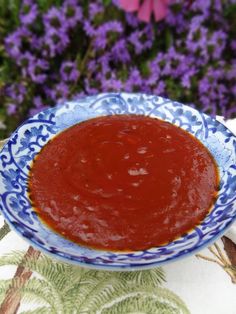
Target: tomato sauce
123,182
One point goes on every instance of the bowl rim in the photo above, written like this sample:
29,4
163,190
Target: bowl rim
124,267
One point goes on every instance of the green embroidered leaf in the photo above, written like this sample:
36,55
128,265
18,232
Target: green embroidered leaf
152,277
40,310
106,299
40,290
60,288
145,301
13,258
137,304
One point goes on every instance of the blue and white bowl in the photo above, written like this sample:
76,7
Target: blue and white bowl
30,137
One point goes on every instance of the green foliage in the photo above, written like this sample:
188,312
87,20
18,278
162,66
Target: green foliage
106,2
63,288
159,301
39,310
9,15
44,5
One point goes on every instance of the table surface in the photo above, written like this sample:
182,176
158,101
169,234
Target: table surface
34,283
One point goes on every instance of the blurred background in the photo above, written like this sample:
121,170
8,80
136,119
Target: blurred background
52,50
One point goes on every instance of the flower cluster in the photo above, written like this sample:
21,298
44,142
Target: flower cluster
75,48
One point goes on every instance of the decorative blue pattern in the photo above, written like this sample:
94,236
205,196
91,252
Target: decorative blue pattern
28,139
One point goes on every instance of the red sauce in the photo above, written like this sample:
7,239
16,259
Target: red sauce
123,183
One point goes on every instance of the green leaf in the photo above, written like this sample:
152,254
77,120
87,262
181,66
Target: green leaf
44,5
4,285
168,38
39,310
115,283
176,7
107,299
10,9
65,288
230,10
106,2
39,290
148,278
13,258
140,304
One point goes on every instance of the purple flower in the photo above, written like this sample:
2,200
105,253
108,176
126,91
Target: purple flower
207,106
79,95
94,9
13,45
218,42
112,84
15,40
36,43
102,31
69,71
111,26
90,90
104,61
100,42
37,101
178,19
38,106
36,70
204,85
191,51
160,88
134,80
120,51
230,112
218,5
186,78
233,45
16,92
59,92
89,29
212,92
116,3
197,39
231,73
54,18
142,40
55,41
72,12
24,61
196,43
154,76
92,65
202,6
11,109
28,12
196,23
132,20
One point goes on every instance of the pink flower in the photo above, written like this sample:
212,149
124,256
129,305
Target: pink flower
146,7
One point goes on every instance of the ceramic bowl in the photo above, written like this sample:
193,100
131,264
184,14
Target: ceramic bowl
30,137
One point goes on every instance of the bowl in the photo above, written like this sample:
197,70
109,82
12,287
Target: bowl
19,151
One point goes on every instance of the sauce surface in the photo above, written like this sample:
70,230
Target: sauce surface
123,182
